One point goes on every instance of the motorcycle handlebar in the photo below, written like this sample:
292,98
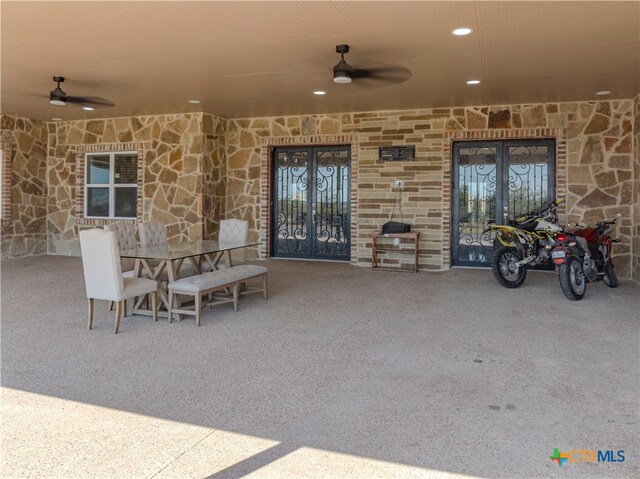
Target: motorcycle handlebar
542,209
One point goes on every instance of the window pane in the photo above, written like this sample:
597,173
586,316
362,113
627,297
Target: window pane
125,206
98,170
97,201
126,167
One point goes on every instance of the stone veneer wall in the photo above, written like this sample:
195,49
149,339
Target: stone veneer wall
636,192
600,156
214,168
598,164
171,148
24,223
198,168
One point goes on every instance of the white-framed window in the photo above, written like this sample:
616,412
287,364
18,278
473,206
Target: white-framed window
111,185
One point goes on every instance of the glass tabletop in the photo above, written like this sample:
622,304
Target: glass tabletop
183,250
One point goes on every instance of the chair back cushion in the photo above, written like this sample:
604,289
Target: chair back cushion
234,231
126,240
101,264
152,233
125,232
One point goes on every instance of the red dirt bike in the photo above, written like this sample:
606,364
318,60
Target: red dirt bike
583,256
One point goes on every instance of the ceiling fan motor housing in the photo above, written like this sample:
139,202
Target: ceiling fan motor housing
342,72
57,96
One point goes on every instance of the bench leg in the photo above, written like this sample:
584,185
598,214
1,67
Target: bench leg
264,286
198,307
154,305
236,293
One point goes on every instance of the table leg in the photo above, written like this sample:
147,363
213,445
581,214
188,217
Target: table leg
172,270
196,261
213,259
153,273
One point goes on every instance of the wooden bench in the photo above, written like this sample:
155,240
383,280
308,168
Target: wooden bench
219,280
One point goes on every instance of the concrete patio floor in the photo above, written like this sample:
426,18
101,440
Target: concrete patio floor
343,372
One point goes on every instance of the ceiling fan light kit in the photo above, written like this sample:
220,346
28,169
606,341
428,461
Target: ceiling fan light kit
58,97
341,77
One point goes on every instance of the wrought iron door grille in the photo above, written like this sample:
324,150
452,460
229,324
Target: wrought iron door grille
494,181
311,202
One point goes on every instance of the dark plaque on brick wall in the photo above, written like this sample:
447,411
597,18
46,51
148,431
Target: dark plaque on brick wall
397,153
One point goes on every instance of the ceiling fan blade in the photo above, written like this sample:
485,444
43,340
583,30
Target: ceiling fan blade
356,73
91,100
385,76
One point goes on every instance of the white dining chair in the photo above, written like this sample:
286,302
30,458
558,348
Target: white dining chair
231,231
103,274
234,231
126,234
154,233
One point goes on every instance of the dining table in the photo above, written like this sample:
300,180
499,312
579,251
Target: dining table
164,263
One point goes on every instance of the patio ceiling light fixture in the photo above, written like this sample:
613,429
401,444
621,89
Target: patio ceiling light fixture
462,31
319,92
57,96
473,82
88,108
603,92
55,118
341,76
194,102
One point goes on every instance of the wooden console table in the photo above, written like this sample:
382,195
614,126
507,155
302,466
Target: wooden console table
385,246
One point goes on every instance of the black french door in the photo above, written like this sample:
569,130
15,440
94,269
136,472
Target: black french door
496,181
311,202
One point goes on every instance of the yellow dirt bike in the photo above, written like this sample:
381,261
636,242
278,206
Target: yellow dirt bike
526,241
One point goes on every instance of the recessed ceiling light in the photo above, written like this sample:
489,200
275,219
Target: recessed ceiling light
603,92
88,108
195,102
473,82
319,92
55,118
462,31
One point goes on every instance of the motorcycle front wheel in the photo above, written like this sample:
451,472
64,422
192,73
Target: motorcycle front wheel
572,279
505,270
610,278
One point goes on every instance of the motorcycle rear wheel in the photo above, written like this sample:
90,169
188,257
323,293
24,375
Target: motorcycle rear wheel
610,278
572,279
504,269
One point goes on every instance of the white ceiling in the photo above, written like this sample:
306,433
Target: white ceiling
248,59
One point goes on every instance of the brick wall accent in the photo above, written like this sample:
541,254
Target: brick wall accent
81,161
266,170
6,146
635,222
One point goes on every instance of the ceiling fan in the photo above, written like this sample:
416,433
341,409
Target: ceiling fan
58,97
344,73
